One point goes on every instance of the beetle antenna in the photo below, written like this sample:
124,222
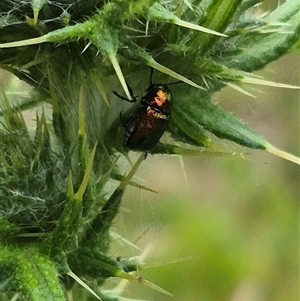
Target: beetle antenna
151,74
151,83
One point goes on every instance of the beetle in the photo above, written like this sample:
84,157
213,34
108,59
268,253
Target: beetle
144,128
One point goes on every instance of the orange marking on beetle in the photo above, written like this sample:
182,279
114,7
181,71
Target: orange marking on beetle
161,98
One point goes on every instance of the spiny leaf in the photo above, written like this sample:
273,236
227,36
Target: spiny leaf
33,274
152,63
86,176
255,48
119,73
83,284
277,152
253,79
179,150
221,123
144,282
158,13
103,220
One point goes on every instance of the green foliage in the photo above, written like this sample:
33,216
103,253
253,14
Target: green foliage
59,193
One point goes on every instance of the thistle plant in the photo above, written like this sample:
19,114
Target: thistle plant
58,191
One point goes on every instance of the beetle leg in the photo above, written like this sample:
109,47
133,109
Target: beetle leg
125,122
128,121
151,74
134,98
143,101
122,97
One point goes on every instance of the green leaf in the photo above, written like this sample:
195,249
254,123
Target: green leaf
158,13
32,274
218,16
258,49
213,118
